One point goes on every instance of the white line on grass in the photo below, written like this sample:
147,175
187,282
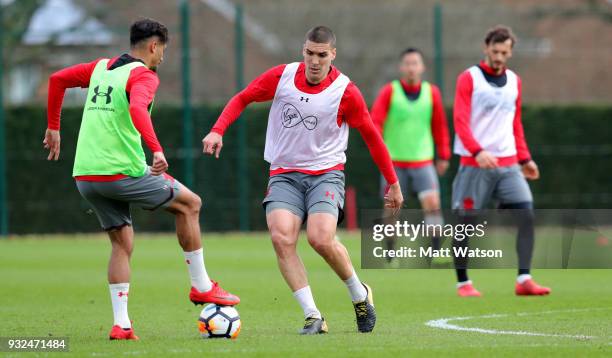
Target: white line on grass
444,323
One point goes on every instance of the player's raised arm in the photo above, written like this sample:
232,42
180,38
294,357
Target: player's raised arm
70,77
261,89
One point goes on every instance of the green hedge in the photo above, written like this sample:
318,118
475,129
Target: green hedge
571,145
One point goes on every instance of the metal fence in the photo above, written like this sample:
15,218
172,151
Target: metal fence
219,45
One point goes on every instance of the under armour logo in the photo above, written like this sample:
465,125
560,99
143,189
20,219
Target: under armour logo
327,194
102,94
121,294
304,99
188,262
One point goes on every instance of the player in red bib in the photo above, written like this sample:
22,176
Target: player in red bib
495,159
313,106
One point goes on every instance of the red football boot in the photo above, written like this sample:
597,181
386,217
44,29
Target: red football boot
530,288
216,295
118,333
468,290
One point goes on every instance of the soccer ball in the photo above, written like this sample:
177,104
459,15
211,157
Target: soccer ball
219,322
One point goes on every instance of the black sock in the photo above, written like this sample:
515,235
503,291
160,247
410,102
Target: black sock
461,263
436,243
461,275
524,216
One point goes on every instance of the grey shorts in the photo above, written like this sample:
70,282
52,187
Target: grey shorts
304,194
112,200
473,187
414,181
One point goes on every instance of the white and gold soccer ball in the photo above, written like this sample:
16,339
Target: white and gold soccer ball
219,322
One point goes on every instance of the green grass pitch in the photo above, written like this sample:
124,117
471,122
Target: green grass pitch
57,286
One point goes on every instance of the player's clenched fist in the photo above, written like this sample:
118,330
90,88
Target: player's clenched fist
212,144
530,170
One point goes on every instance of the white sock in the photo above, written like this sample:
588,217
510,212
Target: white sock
197,271
434,218
356,290
463,283
119,299
306,301
522,278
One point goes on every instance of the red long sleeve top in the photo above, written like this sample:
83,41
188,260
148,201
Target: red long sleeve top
439,123
462,113
352,110
141,87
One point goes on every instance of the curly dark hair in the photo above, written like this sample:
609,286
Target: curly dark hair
499,33
144,29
